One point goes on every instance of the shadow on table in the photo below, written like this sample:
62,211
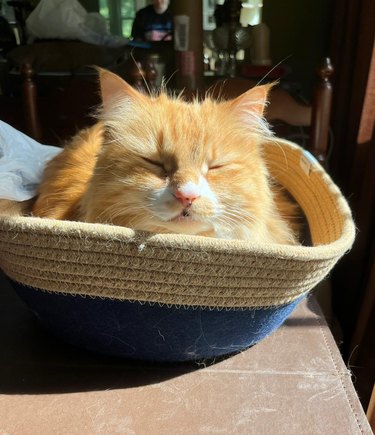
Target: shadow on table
34,361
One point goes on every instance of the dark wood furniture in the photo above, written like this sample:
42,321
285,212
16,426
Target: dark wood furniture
289,115
59,103
283,111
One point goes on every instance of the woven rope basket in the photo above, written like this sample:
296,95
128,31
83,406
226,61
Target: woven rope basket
118,263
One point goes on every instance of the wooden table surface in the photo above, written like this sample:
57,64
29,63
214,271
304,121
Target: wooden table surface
293,382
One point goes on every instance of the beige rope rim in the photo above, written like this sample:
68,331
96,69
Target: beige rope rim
114,262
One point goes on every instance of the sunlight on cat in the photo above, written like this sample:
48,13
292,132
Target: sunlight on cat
157,163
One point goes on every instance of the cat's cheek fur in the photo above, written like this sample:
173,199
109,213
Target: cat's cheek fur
163,204
207,191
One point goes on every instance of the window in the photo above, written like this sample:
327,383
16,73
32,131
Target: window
120,14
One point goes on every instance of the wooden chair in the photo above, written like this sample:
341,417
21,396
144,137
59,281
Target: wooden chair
289,117
58,105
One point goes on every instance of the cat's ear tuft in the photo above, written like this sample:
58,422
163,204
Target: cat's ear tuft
113,87
254,100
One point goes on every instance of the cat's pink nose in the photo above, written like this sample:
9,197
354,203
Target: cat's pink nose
185,198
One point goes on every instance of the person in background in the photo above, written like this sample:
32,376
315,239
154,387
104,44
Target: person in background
153,23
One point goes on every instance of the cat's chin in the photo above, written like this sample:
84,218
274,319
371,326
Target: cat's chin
184,218
186,224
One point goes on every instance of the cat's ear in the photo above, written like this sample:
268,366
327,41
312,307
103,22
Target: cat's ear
112,87
254,100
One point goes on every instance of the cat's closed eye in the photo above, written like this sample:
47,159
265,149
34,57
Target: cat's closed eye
232,165
156,164
153,162
216,166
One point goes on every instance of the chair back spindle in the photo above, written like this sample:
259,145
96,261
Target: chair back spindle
321,109
33,126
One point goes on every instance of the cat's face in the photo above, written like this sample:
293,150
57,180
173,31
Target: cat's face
172,166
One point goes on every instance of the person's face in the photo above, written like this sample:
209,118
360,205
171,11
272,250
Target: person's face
160,6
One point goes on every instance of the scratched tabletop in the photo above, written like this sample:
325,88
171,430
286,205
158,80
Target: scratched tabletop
293,382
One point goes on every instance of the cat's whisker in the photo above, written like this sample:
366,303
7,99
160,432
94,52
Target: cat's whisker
219,98
240,217
180,94
224,224
137,221
273,140
166,81
273,68
117,210
140,72
230,221
230,216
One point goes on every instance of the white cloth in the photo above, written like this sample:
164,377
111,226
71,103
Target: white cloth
22,162
69,20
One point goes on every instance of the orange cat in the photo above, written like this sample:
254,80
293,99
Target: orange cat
160,164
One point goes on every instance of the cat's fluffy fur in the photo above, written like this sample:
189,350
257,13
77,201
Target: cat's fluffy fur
160,164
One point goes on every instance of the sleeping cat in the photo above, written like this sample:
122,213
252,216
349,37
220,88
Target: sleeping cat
160,164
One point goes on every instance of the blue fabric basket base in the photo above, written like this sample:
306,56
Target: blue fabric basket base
151,332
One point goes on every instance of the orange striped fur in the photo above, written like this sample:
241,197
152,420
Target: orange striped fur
157,163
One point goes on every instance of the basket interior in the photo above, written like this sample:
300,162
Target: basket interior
321,201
